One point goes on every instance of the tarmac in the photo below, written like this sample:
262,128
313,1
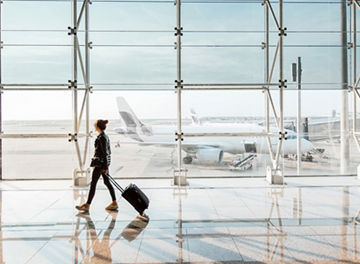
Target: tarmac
56,159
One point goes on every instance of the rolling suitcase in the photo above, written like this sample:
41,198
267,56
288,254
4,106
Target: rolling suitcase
133,195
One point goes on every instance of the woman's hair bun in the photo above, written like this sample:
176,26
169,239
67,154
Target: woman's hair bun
102,124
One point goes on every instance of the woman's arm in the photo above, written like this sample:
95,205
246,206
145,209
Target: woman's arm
104,147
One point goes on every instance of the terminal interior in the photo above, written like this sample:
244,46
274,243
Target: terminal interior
238,120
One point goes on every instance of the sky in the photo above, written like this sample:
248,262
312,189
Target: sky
158,64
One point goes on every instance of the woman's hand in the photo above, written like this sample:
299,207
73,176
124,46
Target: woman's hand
104,171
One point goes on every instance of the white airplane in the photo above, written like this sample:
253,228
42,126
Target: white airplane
206,149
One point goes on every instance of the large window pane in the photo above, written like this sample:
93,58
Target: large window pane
36,15
223,16
139,151
313,15
223,65
132,16
133,65
38,158
321,126
48,108
132,48
36,65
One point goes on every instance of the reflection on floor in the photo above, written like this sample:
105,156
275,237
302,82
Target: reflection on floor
218,220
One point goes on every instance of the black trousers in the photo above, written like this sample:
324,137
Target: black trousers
95,177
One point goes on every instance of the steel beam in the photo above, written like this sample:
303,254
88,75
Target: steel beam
74,65
268,80
82,67
274,174
87,70
274,61
1,131
281,71
273,109
354,88
83,106
229,84
298,121
271,151
269,74
180,178
34,85
273,13
83,7
36,89
344,122
354,26
240,134
356,3
225,89
36,135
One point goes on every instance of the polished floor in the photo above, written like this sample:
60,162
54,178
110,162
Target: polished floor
308,220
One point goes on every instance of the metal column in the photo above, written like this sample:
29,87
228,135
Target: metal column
1,131
356,78
180,172
74,79
354,26
88,88
81,174
274,173
298,125
267,68
281,79
344,122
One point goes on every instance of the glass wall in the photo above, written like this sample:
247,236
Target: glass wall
132,66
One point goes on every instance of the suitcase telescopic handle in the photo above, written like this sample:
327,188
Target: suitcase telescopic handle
115,183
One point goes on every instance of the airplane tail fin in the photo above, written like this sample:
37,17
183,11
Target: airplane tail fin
194,118
130,121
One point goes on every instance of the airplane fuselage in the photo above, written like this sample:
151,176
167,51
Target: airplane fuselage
230,144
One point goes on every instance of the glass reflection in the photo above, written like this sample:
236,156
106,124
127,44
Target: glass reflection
98,250
285,225
279,242
273,229
180,192
101,248
135,227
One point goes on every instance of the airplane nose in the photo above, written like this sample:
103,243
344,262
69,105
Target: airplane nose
307,145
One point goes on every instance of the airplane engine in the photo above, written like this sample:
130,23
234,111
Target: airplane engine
120,131
210,155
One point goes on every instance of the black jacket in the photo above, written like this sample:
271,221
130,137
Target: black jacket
102,149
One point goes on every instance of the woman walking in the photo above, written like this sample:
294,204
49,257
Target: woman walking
101,163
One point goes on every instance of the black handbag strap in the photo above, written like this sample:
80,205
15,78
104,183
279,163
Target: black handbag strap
115,183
